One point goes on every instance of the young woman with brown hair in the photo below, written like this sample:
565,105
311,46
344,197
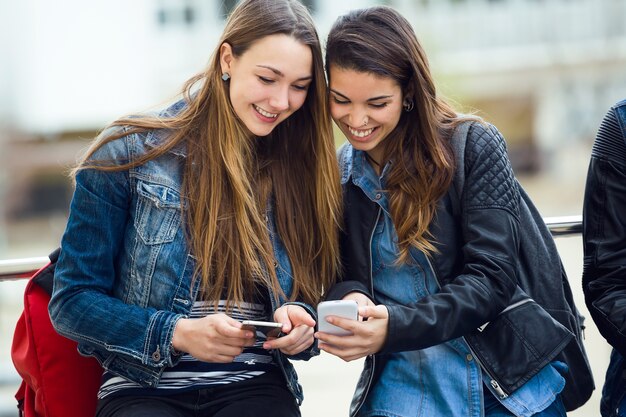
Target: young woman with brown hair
430,282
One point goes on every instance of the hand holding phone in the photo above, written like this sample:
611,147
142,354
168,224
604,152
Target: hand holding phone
341,308
267,328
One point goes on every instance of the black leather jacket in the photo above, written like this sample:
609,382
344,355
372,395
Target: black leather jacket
604,229
604,237
476,269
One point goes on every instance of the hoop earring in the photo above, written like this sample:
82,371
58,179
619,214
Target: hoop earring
225,76
408,105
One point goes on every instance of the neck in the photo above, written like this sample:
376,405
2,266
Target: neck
375,164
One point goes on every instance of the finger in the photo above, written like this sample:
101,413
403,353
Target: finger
233,332
346,324
342,342
281,342
292,339
346,355
375,312
237,342
229,350
301,344
217,358
360,298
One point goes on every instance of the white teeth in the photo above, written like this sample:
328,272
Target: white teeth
360,133
264,113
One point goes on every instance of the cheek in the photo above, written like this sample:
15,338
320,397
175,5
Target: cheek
245,90
336,111
297,100
390,118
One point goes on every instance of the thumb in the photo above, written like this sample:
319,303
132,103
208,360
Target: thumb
281,316
299,316
374,312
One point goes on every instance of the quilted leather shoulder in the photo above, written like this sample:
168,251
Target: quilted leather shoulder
490,182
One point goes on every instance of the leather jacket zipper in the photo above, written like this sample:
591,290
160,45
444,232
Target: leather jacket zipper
509,308
492,381
369,381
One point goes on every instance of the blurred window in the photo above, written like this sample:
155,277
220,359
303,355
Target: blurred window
176,14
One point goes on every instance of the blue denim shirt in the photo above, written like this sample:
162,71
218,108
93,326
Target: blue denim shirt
444,379
124,276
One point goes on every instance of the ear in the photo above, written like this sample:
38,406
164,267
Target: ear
408,93
226,57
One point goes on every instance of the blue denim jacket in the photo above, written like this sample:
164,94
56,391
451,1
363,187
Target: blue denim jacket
445,379
124,275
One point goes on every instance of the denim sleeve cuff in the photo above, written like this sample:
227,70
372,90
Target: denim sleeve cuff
158,350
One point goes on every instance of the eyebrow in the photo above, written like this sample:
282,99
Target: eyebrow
280,73
369,99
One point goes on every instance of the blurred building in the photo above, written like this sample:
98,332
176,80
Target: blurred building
544,71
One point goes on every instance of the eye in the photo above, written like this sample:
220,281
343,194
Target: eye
337,100
301,87
265,80
378,105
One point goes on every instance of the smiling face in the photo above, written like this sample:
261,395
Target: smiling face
269,81
356,97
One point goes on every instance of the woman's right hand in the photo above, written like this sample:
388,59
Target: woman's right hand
213,338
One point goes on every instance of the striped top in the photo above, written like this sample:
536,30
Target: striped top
192,374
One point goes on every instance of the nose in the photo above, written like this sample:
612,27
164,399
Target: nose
279,100
357,117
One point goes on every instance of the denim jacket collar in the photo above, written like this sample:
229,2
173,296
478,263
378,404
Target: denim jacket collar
156,137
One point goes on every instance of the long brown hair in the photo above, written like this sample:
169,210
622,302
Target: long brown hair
380,41
230,175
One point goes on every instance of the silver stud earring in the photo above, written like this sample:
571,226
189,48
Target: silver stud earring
225,76
407,104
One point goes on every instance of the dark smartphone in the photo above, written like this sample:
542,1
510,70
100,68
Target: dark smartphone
267,328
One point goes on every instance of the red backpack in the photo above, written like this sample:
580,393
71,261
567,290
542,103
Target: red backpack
56,380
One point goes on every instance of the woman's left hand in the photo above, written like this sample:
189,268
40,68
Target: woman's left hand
298,329
367,338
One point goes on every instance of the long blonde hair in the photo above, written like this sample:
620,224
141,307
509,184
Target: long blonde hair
380,41
230,175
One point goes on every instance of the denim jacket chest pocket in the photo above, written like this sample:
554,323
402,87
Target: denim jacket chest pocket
160,266
158,215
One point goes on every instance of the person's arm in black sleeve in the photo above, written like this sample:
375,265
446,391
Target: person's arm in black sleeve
604,230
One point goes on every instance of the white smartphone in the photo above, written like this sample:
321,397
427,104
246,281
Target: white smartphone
267,328
348,309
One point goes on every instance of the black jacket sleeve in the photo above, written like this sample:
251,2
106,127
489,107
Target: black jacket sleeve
604,229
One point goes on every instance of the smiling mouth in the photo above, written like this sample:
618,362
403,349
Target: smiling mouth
265,113
360,133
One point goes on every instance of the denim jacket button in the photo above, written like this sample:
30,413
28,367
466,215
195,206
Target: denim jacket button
156,356
378,196
469,357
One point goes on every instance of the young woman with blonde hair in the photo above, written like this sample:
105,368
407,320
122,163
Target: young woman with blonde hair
222,207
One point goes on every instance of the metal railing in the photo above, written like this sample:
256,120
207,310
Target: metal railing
16,269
